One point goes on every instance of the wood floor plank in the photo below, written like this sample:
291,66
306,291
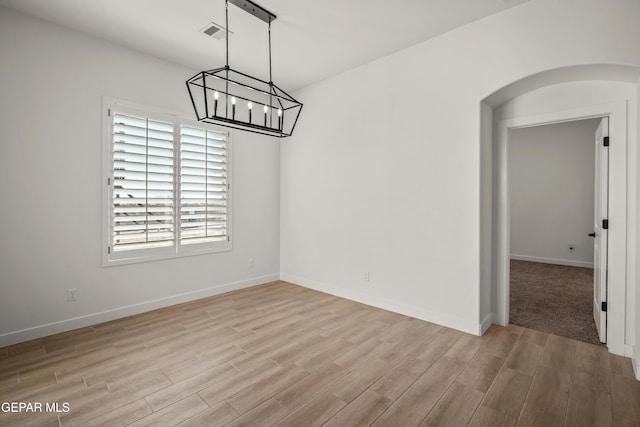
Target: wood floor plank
397,330
481,371
53,361
314,413
266,414
514,329
437,345
305,390
139,366
501,343
317,358
487,417
348,327
546,403
360,353
414,405
369,330
7,380
621,366
466,347
362,411
400,378
408,410
406,346
203,364
94,402
456,407
89,360
440,375
218,415
625,394
534,337
508,392
350,386
123,415
559,353
254,342
60,392
9,419
283,354
270,386
173,414
189,386
588,407
36,380
592,370
290,352
222,390
524,357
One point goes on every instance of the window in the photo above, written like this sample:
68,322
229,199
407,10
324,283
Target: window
168,186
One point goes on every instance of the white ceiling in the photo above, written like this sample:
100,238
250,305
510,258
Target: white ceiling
311,39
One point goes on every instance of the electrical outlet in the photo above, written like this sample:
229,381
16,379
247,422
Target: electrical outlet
72,294
366,276
571,247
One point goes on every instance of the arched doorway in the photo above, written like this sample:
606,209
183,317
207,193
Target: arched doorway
554,96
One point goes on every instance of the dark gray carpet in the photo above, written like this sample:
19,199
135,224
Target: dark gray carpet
556,299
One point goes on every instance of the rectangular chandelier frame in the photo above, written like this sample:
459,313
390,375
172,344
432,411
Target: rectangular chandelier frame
230,98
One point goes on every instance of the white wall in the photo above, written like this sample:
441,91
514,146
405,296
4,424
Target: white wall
51,90
551,186
383,173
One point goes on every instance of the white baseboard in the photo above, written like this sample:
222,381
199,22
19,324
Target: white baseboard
386,304
635,361
486,322
556,261
129,310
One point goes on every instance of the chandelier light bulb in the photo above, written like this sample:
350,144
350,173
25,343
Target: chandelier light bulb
279,112
266,109
249,105
233,108
216,95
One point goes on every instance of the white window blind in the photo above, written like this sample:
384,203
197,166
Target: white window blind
168,185
143,183
203,185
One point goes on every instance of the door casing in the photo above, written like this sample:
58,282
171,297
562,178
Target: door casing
617,114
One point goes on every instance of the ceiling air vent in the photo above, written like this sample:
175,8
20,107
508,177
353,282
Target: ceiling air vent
214,30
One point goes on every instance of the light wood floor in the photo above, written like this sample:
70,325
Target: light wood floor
279,354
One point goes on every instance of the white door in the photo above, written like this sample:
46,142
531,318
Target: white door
600,234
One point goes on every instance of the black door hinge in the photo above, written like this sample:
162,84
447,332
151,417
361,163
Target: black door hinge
605,142
605,224
604,306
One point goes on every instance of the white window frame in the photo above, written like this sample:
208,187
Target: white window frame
111,257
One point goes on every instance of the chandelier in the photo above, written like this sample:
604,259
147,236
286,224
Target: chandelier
230,98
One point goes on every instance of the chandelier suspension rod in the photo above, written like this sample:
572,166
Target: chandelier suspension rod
270,78
270,81
226,39
226,28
